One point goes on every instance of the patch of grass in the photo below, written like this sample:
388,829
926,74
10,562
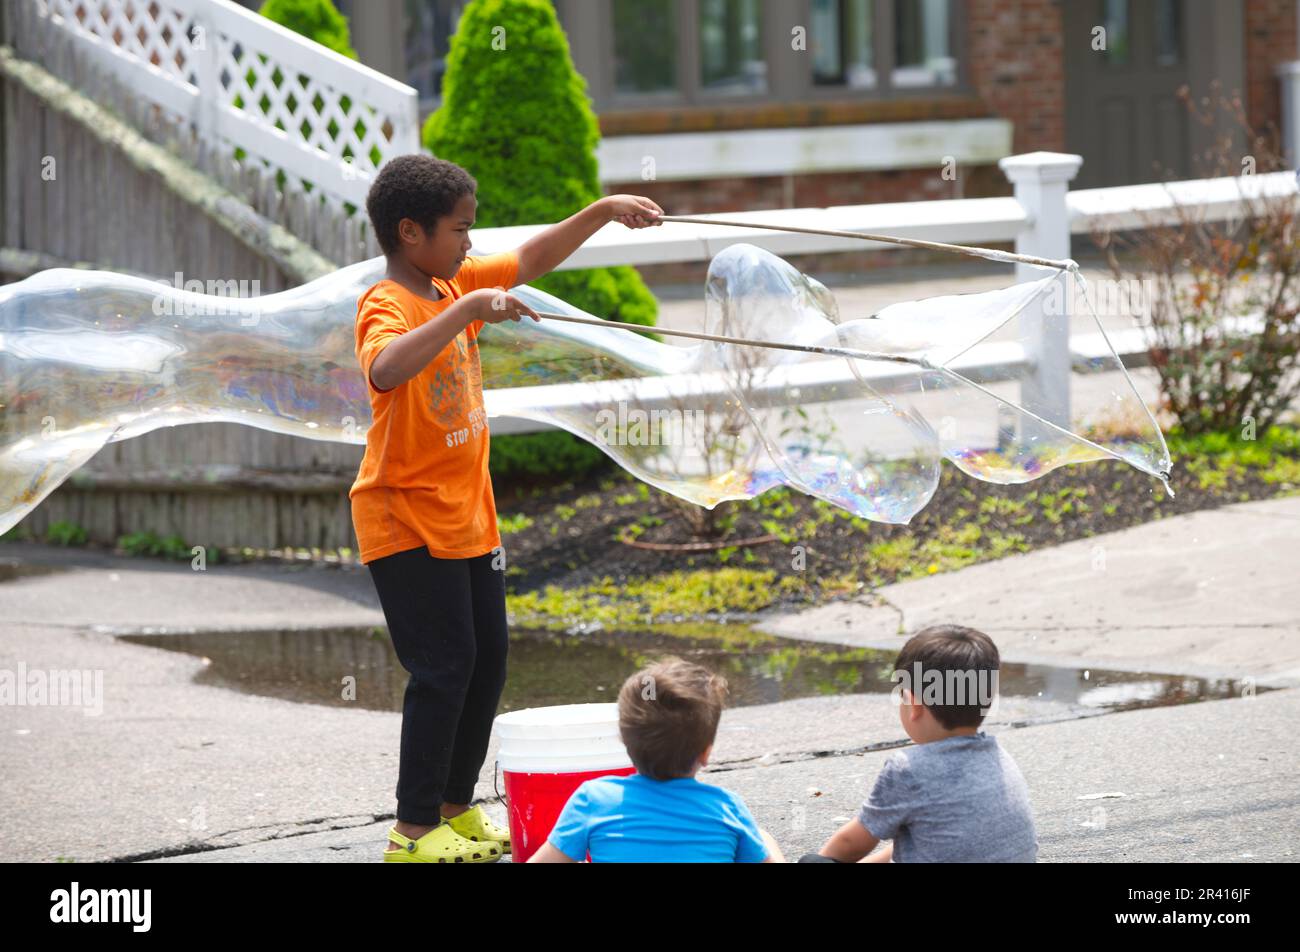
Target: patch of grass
516,523
893,556
1000,506
1218,460
776,503
1285,473
1258,453
1064,502
640,493
777,528
647,600
1000,544
950,547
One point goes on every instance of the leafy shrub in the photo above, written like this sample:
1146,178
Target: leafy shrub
318,20
541,456
515,113
65,533
1211,281
149,544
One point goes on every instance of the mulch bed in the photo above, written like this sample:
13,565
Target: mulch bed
575,534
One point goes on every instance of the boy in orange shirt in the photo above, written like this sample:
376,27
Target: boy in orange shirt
422,502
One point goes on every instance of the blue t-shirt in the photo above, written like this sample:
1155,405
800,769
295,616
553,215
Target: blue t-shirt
634,819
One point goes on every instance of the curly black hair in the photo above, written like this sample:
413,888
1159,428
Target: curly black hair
418,187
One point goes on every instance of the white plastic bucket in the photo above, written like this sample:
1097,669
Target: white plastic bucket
546,753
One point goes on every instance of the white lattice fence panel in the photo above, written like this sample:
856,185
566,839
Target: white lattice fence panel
322,119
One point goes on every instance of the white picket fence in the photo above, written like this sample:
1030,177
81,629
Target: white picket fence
246,82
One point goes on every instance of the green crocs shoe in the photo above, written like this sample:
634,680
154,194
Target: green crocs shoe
475,825
442,844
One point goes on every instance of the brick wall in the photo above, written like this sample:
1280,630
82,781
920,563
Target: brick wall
1017,65
1270,40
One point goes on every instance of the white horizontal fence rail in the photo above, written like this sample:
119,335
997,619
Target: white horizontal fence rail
1040,219
1148,206
245,82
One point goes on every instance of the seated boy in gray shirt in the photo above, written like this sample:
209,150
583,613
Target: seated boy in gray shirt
956,796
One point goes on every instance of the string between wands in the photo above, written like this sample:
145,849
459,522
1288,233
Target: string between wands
1064,264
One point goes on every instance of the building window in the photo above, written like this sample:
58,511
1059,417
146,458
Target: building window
1116,24
1169,33
841,39
922,50
731,46
428,26
645,46
655,53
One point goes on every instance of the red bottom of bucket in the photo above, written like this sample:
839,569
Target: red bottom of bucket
535,801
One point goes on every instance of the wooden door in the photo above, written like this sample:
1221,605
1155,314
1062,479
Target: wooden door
1122,111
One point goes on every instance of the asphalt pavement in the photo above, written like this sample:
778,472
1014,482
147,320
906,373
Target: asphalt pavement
164,767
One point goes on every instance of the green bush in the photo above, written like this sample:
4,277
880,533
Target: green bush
515,113
65,533
318,20
540,456
1215,376
147,543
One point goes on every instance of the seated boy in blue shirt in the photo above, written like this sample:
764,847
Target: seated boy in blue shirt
955,796
667,717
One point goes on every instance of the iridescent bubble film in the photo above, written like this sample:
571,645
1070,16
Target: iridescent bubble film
89,357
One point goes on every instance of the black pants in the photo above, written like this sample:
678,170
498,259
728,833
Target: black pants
447,621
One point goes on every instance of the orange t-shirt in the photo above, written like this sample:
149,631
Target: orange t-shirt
424,477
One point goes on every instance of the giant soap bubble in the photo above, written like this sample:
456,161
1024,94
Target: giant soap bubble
89,357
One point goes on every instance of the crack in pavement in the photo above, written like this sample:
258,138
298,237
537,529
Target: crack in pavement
187,849
883,602
285,830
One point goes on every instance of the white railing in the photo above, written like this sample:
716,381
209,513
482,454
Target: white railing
246,82
1040,219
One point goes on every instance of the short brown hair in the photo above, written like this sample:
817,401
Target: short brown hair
668,715
957,651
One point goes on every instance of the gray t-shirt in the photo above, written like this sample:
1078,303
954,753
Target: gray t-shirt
957,800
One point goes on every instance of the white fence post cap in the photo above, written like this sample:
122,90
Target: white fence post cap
1041,166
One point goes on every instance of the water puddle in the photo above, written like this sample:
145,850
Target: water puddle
321,666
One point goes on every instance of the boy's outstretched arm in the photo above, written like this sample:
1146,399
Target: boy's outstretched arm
407,354
543,252
850,843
